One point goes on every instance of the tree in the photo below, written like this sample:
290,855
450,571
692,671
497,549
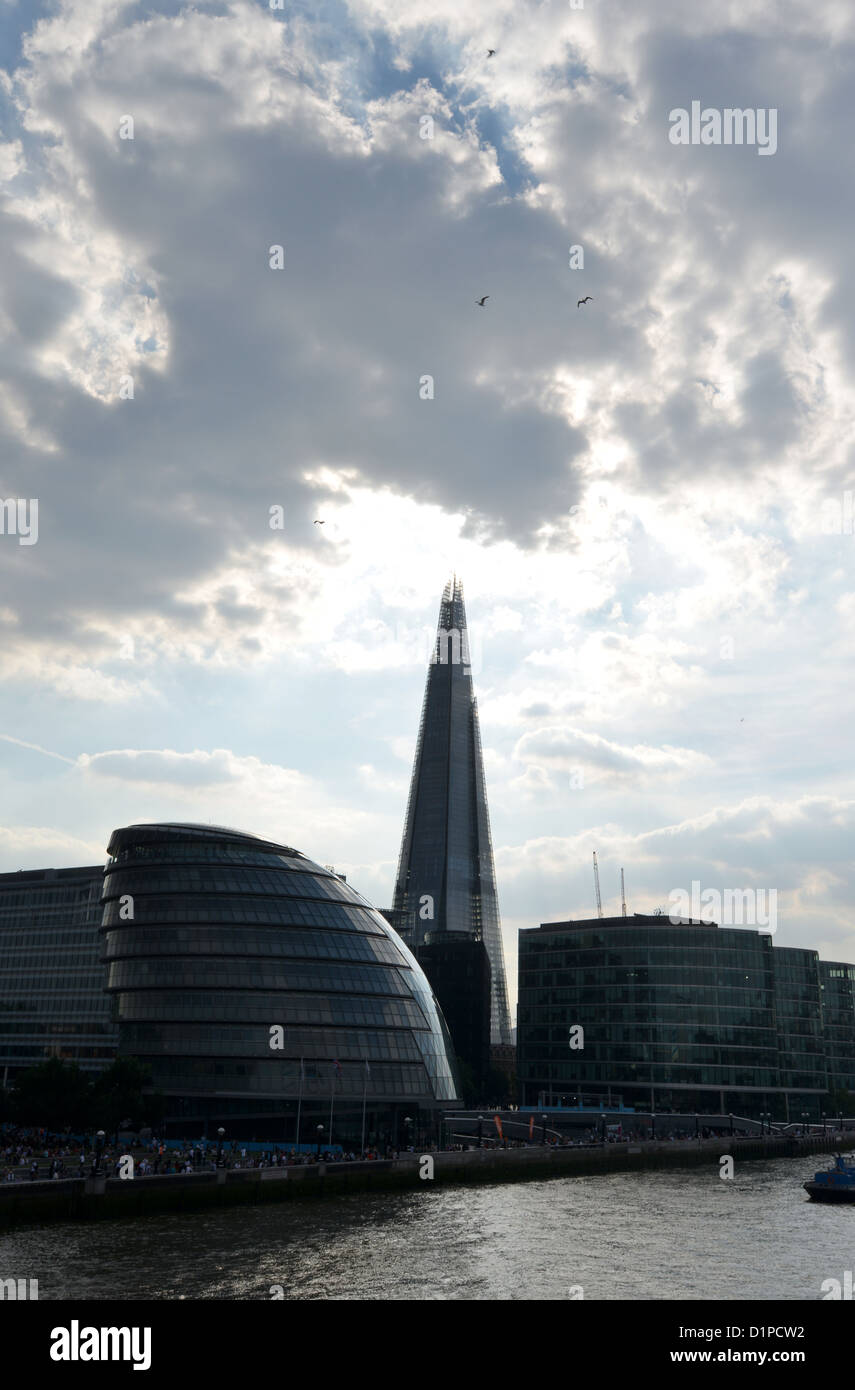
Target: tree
153,1109
498,1086
841,1103
117,1095
469,1089
55,1094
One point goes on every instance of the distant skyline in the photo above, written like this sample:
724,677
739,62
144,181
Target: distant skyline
646,497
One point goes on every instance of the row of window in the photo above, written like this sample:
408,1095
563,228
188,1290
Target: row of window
554,1029
322,1009
228,908
216,1042
255,974
611,1012
216,852
650,995
22,938
76,982
666,1052
37,899
841,1007
29,1054
609,1022
210,941
214,1006
642,959
279,883
61,959
67,1003
200,1078
558,1076
83,922
37,1028
638,940
661,977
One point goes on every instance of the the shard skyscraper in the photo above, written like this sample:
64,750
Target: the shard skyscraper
446,881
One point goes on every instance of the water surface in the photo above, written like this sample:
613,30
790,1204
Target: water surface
654,1235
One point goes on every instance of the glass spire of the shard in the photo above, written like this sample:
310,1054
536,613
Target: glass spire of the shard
446,880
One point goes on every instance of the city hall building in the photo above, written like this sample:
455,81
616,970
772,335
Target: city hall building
689,1017
266,995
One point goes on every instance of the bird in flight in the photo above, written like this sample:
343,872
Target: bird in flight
319,523
490,52
580,302
482,301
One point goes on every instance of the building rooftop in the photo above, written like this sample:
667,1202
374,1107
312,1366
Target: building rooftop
49,875
634,919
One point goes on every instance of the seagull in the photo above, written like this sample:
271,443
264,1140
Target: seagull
580,302
490,52
482,301
319,523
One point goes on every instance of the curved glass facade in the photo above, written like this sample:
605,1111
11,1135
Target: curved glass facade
212,938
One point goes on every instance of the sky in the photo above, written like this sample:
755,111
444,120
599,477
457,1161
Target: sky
649,498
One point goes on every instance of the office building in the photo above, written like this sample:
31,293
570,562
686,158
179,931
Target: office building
446,879
458,970
52,999
684,1017
837,989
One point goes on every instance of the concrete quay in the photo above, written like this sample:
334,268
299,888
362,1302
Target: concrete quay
104,1197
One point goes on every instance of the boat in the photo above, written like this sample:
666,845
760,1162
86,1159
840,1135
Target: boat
836,1184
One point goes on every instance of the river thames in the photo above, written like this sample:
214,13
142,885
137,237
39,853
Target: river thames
656,1235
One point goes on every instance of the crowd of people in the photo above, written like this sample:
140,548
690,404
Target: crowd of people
36,1155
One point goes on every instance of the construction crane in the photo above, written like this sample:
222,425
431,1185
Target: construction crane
622,896
597,886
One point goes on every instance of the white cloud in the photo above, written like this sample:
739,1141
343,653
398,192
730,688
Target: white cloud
565,748
633,492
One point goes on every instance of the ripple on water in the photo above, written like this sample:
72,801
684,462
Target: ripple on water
661,1235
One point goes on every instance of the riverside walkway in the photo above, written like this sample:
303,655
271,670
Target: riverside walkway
102,1196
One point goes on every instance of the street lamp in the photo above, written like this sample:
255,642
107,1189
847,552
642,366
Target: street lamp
220,1133
320,1134
697,1128
765,1121
99,1145
543,1129
730,1117
480,1130
805,1118
603,1125
823,1124
652,1125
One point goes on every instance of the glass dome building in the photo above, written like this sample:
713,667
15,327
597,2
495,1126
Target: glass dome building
266,994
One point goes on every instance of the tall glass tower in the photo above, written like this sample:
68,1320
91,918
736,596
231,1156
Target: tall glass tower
446,881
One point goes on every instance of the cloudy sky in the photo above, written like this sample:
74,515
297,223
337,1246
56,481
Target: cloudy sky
646,498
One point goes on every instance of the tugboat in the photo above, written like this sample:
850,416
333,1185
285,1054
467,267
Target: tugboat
837,1184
